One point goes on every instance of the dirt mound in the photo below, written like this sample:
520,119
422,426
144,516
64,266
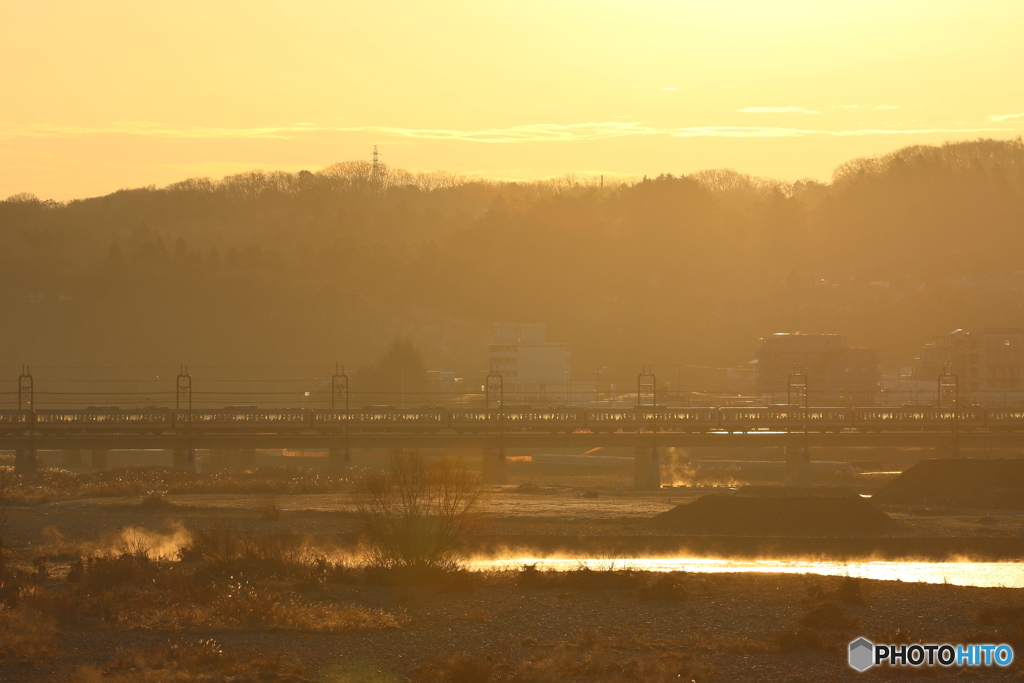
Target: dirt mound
776,515
964,483
800,492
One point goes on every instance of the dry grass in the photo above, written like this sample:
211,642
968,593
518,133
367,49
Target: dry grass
133,593
588,657
1004,624
194,661
584,578
26,636
228,551
232,583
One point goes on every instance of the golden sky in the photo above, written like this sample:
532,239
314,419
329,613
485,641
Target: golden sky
102,95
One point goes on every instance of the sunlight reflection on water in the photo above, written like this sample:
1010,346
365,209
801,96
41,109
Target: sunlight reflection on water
982,574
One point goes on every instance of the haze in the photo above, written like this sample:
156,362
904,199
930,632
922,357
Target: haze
105,95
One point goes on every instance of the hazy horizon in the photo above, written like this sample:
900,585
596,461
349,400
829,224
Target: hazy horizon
112,95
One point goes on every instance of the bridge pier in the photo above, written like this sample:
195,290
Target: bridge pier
494,469
246,459
26,462
646,469
185,459
338,459
798,466
98,456
71,458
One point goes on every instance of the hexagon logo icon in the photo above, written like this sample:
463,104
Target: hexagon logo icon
862,654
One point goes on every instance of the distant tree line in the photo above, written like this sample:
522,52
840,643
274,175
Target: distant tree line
276,269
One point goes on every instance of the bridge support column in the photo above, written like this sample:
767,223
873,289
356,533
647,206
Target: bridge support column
185,459
98,456
71,458
339,459
646,469
25,461
494,470
798,466
247,459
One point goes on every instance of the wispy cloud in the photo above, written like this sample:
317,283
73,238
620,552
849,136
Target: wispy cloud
772,132
669,88
1006,117
538,132
145,128
880,107
777,110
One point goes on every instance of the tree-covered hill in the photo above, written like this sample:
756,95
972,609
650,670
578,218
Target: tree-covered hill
277,269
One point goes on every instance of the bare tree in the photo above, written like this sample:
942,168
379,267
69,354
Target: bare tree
419,512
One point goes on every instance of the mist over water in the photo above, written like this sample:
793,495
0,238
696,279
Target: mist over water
980,574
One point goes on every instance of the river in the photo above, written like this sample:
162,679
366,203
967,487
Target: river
981,574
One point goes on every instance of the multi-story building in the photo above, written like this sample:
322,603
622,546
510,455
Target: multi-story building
988,363
533,370
836,373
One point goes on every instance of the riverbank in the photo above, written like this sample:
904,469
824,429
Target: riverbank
532,626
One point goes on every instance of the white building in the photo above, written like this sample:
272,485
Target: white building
532,370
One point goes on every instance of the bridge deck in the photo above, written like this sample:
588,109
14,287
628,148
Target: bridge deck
919,439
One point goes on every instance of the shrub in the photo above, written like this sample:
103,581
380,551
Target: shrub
849,592
107,573
667,586
418,512
269,511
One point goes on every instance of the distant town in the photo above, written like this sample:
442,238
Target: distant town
976,367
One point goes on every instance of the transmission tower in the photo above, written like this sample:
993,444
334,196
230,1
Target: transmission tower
375,173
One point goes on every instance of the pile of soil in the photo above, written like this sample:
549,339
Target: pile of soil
798,491
963,483
795,513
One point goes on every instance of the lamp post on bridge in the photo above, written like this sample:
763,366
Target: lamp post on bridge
948,392
25,458
646,468
184,458
494,469
798,463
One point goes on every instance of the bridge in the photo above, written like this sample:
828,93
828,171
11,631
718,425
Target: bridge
493,432
493,428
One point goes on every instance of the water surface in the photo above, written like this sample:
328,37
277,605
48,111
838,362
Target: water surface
981,574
